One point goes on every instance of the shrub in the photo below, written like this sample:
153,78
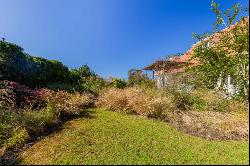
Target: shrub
12,134
35,122
7,96
71,104
118,83
19,136
20,67
185,101
94,84
85,80
113,99
14,96
145,102
216,102
62,86
138,78
37,110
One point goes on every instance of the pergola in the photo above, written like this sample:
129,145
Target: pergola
167,66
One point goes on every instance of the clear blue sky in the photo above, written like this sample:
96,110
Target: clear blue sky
111,36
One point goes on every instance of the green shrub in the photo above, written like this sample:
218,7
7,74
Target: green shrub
216,102
94,84
138,78
85,80
36,121
18,66
7,96
118,83
185,101
19,136
12,134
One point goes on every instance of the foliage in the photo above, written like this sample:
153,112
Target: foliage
14,96
137,77
228,56
68,104
213,64
15,65
62,86
118,83
85,71
10,129
155,103
26,112
201,113
85,80
216,102
228,17
113,99
185,101
75,77
94,84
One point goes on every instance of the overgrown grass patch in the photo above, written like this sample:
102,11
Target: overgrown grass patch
201,112
22,116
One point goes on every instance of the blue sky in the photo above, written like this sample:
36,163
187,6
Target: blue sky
111,36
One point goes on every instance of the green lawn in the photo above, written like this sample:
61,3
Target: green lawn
114,138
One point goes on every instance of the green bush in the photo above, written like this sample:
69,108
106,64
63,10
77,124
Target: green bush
94,84
36,121
118,83
62,86
12,134
18,66
85,80
138,78
19,136
185,101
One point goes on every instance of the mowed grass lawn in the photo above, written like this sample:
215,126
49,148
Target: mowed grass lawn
115,138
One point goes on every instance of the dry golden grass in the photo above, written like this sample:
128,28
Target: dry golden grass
135,100
213,118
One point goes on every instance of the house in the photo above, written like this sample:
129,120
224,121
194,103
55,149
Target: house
163,69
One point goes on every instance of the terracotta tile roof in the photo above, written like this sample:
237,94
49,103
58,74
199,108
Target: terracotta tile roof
178,63
166,65
215,38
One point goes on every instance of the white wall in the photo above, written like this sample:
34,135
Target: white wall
228,86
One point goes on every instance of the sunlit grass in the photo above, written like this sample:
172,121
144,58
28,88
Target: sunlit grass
115,138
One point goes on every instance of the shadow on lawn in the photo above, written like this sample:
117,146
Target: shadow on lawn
11,157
